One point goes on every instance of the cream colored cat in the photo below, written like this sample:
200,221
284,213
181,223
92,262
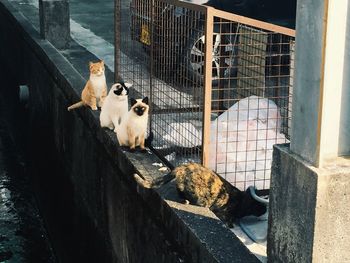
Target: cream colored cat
132,130
95,89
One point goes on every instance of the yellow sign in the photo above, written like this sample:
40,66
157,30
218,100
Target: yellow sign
145,35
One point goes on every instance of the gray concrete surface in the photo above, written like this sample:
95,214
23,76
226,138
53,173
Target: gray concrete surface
97,16
306,111
309,210
321,107
54,22
309,195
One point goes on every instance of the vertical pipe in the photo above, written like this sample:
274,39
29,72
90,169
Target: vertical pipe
208,58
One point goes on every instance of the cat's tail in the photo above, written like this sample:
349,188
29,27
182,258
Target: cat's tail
180,150
76,105
156,183
149,139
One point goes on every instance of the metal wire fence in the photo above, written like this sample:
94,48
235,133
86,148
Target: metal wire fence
220,85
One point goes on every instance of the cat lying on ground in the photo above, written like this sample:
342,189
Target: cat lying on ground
203,187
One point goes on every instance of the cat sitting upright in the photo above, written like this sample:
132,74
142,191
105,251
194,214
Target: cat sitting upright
95,89
115,106
132,130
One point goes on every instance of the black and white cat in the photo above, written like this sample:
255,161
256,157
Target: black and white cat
132,130
115,106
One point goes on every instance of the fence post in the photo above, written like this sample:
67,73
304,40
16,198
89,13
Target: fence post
117,42
54,22
208,57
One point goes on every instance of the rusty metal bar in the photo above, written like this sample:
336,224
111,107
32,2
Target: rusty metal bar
194,7
234,17
254,23
151,75
209,28
117,34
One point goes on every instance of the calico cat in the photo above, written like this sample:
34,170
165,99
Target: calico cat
203,187
132,129
95,89
115,106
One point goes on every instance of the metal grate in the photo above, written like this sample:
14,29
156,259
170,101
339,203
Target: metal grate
223,102
251,101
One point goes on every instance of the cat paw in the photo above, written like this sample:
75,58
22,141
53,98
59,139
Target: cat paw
100,103
94,108
143,150
185,202
132,150
230,225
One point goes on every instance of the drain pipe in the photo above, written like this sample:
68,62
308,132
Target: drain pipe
256,197
23,94
256,227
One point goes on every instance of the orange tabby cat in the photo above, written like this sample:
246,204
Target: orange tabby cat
95,89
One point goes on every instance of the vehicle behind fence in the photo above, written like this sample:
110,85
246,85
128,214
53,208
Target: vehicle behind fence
220,84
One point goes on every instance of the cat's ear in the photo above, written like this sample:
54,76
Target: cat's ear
116,89
115,86
102,62
145,100
132,102
128,85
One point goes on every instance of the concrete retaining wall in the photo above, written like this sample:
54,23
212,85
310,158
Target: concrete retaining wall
94,209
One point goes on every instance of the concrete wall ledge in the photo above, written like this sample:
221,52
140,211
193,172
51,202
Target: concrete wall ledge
133,224
309,209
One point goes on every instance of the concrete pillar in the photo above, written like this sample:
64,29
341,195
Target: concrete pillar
54,22
310,180
321,92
